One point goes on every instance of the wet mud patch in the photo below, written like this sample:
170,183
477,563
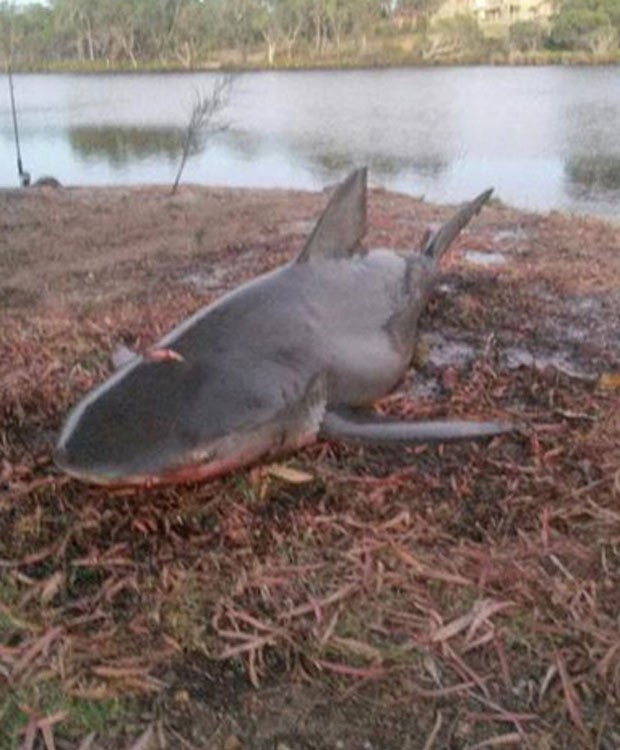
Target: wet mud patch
297,714
485,259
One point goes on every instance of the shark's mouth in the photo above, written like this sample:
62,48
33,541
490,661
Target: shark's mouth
199,472
186,474
197,469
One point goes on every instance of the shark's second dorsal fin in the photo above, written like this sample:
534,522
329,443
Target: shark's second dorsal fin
343,224
434,246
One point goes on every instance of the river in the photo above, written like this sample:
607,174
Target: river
545,137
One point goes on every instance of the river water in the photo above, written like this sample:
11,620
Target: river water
544,137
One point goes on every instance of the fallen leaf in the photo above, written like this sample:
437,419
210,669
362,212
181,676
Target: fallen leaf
287,474
609,381
232,742
52,586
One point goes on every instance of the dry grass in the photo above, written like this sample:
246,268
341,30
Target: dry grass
480,582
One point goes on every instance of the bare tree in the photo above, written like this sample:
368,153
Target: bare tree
205,121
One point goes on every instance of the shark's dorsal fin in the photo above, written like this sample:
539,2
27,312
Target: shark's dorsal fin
338,232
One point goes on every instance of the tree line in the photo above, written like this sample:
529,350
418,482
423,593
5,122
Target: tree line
202,33
185,32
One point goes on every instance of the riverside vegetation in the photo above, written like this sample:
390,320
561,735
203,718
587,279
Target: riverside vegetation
190,34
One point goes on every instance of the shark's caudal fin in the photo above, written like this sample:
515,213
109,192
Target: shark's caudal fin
368,427
436,245
343,223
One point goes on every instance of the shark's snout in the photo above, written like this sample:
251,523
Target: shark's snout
71,457
97,465
168,466
146,426
69,465
144,421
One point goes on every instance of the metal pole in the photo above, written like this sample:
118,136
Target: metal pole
24,177
20,169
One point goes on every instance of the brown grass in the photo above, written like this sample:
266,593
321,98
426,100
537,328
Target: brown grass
480,583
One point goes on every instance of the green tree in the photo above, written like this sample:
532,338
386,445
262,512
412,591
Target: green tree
454,38
26,34
77,19
318,20
240,24
117,31
281,23
526,36
590,25
339,15
195,32
420,10
367,15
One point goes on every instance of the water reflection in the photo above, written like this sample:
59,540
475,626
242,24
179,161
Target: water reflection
244,144
593,173
119,146
592,163
327,156
332,162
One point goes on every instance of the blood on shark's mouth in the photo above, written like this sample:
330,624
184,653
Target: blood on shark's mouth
217,467
199,472
181,475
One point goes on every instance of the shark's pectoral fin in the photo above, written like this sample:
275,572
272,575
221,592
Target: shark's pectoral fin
122,356
342,225
303,419
360,426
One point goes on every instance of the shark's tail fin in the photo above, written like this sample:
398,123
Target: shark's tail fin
438,243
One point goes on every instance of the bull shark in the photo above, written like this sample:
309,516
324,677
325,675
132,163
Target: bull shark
295,355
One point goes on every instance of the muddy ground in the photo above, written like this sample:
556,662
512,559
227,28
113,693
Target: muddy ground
431,597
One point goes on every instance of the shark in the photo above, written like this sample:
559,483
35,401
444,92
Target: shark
293,356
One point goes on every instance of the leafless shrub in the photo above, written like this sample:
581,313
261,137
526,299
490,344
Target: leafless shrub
205,121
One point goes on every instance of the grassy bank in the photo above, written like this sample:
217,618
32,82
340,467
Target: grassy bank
400,54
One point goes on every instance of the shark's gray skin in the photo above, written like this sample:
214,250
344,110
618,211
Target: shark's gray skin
287,358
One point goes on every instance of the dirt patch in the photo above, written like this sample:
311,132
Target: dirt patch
448,597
